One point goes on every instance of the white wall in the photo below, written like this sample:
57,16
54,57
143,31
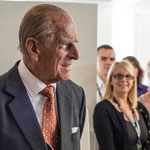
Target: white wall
104,35
85,17
142,34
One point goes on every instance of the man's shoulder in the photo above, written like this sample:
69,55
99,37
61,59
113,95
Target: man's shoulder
2,81
68,84
9,77
99,79
100,82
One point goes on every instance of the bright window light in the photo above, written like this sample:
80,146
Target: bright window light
123,28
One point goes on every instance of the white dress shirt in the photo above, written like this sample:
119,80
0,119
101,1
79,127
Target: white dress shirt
102,87
33,86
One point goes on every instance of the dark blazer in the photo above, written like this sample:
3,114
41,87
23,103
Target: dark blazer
19,127
110,127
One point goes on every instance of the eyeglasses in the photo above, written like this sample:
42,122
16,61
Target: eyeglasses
120,76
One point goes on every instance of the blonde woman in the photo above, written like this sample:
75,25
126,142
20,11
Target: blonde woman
120,123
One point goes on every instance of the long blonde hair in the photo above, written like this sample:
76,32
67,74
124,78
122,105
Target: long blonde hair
132,95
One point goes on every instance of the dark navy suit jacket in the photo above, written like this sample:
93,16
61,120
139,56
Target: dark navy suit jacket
19,127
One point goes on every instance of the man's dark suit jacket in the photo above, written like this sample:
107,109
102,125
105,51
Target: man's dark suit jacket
19,127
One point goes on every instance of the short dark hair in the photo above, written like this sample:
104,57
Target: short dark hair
105,47
138,66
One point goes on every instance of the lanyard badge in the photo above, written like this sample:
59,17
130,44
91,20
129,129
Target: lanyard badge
135,125
139,147
99,91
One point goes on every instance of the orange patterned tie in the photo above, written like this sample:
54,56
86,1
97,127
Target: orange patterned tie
50,125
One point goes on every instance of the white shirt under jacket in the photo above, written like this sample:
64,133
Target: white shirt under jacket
102,88
33,86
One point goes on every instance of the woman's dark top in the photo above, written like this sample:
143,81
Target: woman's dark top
111,127
132,136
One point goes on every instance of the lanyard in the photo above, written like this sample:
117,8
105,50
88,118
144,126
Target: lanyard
99,92
135,125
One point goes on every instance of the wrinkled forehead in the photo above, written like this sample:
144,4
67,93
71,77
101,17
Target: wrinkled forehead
120,69
65,27
106,53
67,32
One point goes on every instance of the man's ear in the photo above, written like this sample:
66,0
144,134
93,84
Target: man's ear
32,48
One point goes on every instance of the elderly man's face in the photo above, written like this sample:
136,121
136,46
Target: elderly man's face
56,59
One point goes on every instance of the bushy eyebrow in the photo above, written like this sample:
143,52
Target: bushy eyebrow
66,40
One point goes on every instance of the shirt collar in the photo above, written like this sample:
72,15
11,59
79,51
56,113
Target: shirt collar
100,82
32,83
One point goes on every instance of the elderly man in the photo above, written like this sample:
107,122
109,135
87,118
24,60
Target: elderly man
105,58
40,108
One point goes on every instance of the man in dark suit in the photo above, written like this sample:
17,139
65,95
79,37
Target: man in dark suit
46,40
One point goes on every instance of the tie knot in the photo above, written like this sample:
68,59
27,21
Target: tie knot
48,91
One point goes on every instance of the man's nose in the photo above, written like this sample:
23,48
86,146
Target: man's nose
73,52
108,61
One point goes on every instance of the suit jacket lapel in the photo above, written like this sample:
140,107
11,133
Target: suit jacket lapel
65,113
23,112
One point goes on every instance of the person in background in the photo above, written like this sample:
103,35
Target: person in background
40,108
120,121
145,98
105,58
141,89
